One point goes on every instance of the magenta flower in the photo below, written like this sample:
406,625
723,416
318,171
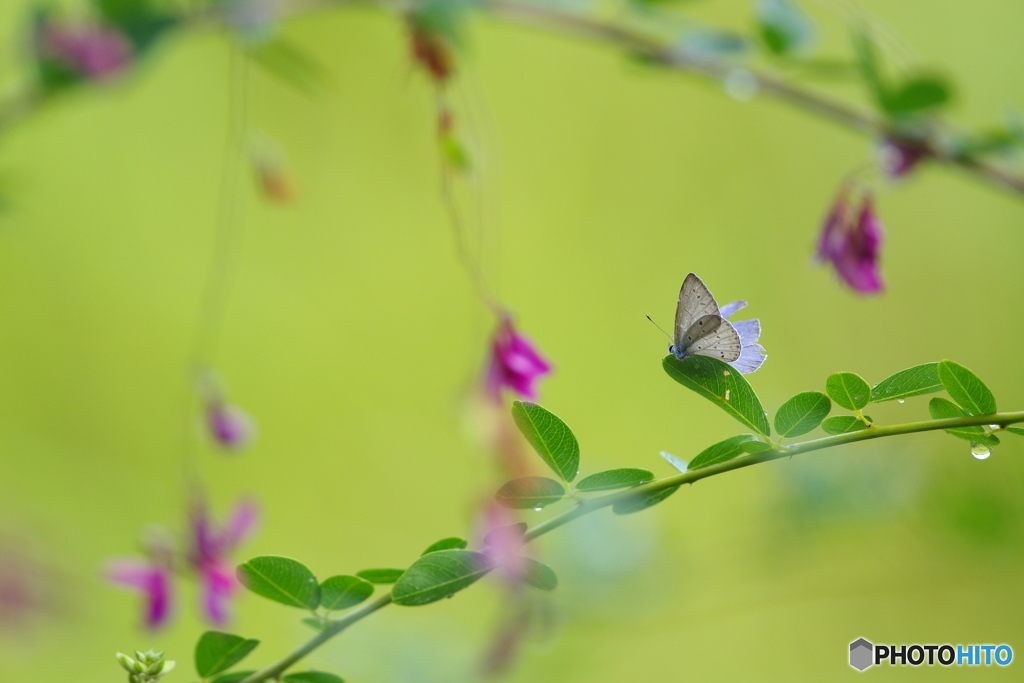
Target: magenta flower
229,425
208,556
851,240
152,578
92,51
898,157
514,364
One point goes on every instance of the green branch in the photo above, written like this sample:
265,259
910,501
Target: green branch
587,506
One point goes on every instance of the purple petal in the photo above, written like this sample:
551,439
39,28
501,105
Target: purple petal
154,582
240,525
218,587
229,425
514,364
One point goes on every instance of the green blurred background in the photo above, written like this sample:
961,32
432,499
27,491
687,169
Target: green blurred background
353,338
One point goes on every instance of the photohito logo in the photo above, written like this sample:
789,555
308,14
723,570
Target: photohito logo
865,654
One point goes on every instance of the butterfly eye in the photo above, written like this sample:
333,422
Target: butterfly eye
672,348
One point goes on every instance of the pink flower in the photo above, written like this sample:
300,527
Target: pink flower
851,240
503,543
899,156
208,556
229,425
152,578
92,51
514,364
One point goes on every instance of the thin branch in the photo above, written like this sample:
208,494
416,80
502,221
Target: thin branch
589,505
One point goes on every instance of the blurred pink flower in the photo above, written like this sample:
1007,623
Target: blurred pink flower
851,240
152,578
93,51
208,555
503,542
899,156
515,364
229,425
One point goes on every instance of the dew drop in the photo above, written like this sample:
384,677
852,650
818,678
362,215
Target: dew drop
537,509
900,400
980,451
994,427
727,394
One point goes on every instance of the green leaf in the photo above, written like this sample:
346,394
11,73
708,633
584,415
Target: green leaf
1015,430
550,437
312,677
940,408
802,413
966,388
439,575
920,379
314,623
281,579
343,591
451,543
677,463
783,26
540,575
848,389
381,575
642,501
842,424
755,446
870,69
721,451
721,384
615,479
233,677
530,492
216,652
289,63
917,94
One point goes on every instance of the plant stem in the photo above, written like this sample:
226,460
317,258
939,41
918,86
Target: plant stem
587,506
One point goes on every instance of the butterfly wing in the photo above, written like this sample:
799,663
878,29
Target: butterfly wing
695,302
722,342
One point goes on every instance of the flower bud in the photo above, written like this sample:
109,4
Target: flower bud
127,663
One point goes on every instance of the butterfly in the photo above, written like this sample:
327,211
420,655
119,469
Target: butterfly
700,327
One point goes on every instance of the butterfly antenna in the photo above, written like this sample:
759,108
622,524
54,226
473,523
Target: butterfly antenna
659,327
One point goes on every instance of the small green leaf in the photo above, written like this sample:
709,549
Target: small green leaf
842,424
314,623
917,94
530,492
343,591
642,501
312,677
915,381
550,437
870,68
940,408
783,26
677,463
755,446
540,575
848,389
615,479
802,413
291,64
281,579
721,451
721,384
966,388
1015,430
382,575
451,543
233,677
439,575
216,652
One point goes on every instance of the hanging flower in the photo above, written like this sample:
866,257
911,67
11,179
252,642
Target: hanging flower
515,364
899,156
432,52
206,554
851,240
89,50
229,425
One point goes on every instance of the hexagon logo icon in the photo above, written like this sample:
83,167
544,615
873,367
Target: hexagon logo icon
861,654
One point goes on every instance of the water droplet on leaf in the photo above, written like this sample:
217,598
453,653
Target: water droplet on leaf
900,400
537,509
980,451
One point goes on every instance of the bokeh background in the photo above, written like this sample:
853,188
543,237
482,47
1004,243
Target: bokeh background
353,338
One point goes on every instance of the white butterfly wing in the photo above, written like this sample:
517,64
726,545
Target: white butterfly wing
695,302
722,343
